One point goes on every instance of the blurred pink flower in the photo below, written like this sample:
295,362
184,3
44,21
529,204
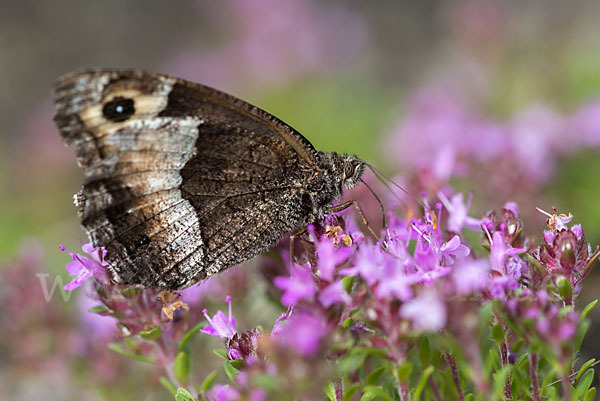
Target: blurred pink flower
471,276
441,136
458,213
334,293
537,138
304,332
330,257
427,312
584,125
222,392
100,328
273,42
300,285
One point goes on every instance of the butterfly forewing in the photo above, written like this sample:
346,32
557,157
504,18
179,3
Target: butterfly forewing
181,181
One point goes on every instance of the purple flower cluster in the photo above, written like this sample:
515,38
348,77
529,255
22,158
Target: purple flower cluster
420,277
419,274
440,136
259,49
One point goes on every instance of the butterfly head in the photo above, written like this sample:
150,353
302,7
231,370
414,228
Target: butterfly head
353,169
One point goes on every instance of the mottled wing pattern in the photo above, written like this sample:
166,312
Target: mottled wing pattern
181,181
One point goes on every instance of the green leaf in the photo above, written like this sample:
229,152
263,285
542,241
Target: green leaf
374,376
189,334
348,283
590,395
350,363
330,391
168,385
342,347
369,351
230,371
236,363
131,342
266,382
498,333
368,396
424,351
208,381
373,392
221,353
404,371
436,358
99,309
469,397
130,292
581,331
565,289
494,359
584,367
499,382
524,358
152,334
549,393
549,378
181,367
120,350
584,384
350,392
183,395
516,346
588,308
347,323
422,382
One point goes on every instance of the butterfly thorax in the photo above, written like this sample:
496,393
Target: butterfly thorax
336,173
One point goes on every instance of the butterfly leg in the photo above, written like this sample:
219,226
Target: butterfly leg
346,205
295,235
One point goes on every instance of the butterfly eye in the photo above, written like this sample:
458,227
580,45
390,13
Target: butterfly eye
119,109
348,170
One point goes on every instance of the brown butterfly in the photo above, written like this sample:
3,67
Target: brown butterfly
183,181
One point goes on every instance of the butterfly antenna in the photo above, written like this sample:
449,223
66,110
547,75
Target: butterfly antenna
385,180
378,201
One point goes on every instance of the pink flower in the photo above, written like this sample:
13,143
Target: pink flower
330,257
334,293
220,325
585,125
84,268
242,346
222,392
395,282
304,332
458,213
566,252
427,312
258,395
502,253
471,276
300,285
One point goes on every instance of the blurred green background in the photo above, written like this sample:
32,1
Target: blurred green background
341,72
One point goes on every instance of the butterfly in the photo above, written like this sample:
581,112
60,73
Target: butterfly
182,181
